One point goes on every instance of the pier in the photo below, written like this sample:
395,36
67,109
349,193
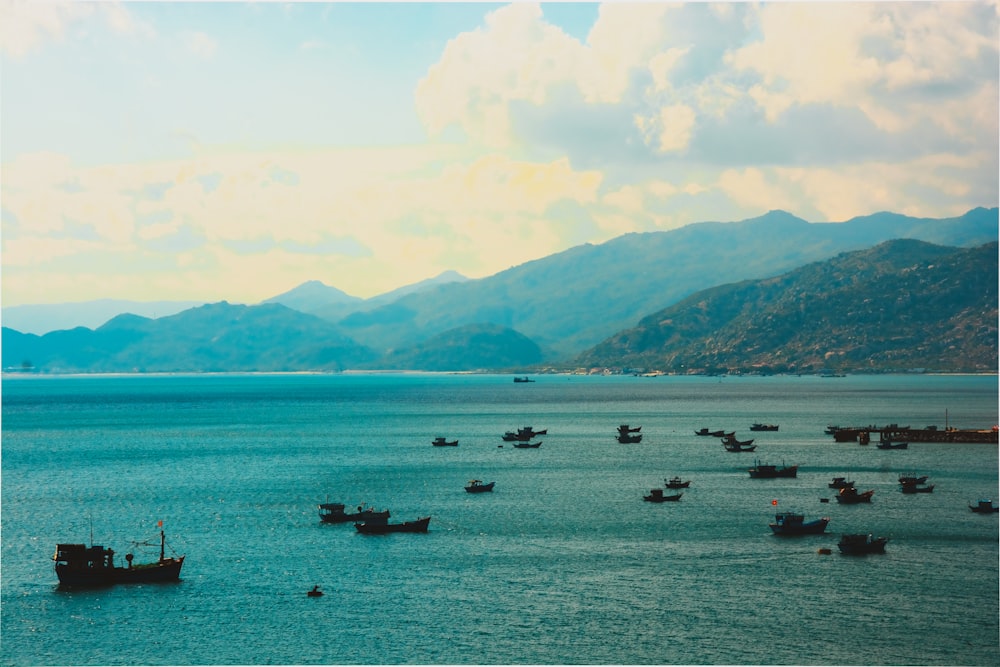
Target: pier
895,433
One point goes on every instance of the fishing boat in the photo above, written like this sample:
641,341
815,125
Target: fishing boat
757,426
714,434
626,438
523,379
625,428
335,513
912,479
528,445
793,523
730,439
840,483
382,528
984,506
860,544
676,483
915,487
656,496
849,495
441,441
886,444
525,433
766,471
479,486
80,565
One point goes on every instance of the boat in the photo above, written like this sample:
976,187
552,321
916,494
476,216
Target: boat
676,483
757,426
656,496
912,487
528,445
793,523
382,528
479,486
731,440
765,471
885,444
80,565
714,434
831,429
984,506
840,483
440,441
912,479
625,428
526,433
626,438
523,379
315,592
335,513
860,544
738,447
849,495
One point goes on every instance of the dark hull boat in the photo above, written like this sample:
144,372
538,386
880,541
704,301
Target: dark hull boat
656,496
791,523
627,438
79,565
441,442
984,507
763,427
676,483
478,486
379,528
764,471
335,513
850,496
893,445
859,545
714,434
840,483
528,445
917,488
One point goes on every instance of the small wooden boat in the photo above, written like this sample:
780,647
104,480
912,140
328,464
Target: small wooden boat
627,438
336,513
757,426
910,487
315,592
766,471
676,483
849,496
714,434
984,506
656,496
478,486
738,447
793,523
382,528
526,433
528,445
523,379
840,483
885,444
440,441
860,544
79,565
912,479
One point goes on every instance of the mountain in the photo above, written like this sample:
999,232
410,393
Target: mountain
313,294
214,337
42,318
573,300
473,347
901,305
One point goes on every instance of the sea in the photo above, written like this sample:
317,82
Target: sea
563,563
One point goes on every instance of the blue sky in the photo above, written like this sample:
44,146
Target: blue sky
232,150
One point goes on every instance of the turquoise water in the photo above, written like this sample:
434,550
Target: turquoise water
562,563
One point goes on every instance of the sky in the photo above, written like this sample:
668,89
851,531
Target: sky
232,151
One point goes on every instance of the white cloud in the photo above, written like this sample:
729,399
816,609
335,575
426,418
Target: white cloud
200,44
27,25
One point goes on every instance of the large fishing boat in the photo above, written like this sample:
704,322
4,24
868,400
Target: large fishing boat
80,565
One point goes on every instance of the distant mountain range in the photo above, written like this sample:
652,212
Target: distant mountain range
565,309
902,305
